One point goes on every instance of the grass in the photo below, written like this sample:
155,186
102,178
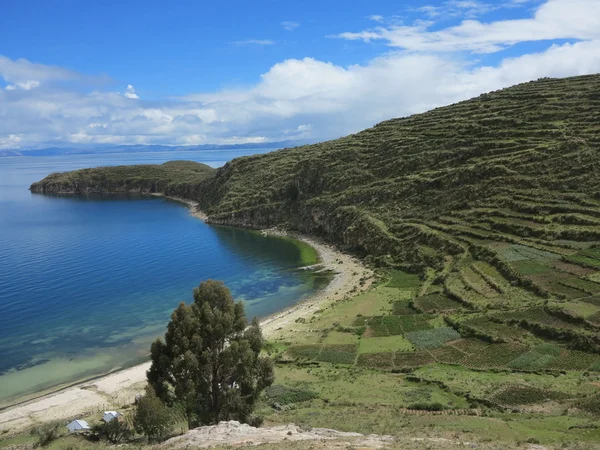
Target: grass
432,338
384,344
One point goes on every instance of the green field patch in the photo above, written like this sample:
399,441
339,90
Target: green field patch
528,267
494,356
403,280
337,354
526,395
594,318
592,300
531,360
341,338
582,309
433,338
591,252
382,361
478,283
582,259
448,355
590,404
305,351
437,303
516,252
595,277
409,360
283,395
403,308
585,286
537,315
385,344
558,287
573,360
470,346
379,326
486,327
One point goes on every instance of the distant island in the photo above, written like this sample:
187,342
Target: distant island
109,149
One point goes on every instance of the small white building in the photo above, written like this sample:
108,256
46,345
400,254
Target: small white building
111,415
78,425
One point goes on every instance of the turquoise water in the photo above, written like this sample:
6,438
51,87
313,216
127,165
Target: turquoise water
87,283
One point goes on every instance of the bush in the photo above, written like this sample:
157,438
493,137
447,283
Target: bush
47,432
152,418
114,431
427,406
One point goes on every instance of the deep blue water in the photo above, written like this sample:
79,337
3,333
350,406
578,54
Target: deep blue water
87,283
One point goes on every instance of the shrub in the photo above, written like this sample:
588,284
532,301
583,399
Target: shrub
47,432
152,418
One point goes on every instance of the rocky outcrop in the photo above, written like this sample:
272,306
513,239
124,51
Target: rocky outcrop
235,434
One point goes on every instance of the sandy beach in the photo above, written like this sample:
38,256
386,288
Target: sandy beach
119,388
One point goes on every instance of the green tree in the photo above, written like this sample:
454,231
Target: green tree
114,431
210,359
152,417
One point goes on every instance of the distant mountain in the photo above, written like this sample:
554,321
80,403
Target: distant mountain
55,151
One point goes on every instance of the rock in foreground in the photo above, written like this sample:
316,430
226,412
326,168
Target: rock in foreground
233,433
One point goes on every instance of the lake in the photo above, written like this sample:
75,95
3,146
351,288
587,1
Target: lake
86,283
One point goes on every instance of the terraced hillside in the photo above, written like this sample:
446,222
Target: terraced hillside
484,217
494,202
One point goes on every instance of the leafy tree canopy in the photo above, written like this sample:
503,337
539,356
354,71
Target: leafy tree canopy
209,361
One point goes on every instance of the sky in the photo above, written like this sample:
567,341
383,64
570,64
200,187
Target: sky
81,73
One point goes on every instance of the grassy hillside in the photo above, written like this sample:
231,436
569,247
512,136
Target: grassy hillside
181,177
485,219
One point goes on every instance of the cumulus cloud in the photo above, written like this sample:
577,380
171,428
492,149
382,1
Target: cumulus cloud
130,92
294,99
289,26
375,18
555,19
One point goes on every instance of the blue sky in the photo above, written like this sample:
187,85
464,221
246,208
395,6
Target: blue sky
192,72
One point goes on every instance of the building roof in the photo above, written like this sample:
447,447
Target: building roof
80,423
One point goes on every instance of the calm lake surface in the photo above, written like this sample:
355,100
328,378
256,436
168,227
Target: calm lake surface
87,283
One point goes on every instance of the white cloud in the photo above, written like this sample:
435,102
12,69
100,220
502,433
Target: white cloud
130,92
254,42
289,26
21,70
375,18
295,98
555,19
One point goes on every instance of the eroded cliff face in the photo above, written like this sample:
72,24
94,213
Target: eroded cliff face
101,187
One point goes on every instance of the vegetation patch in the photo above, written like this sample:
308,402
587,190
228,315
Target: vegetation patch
409,360
403,280
525,395
337,354
403,308
284,395
494,330
305,351
383,361
432,338
436,303
385,344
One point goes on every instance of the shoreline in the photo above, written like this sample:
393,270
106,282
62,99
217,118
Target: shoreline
119,388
